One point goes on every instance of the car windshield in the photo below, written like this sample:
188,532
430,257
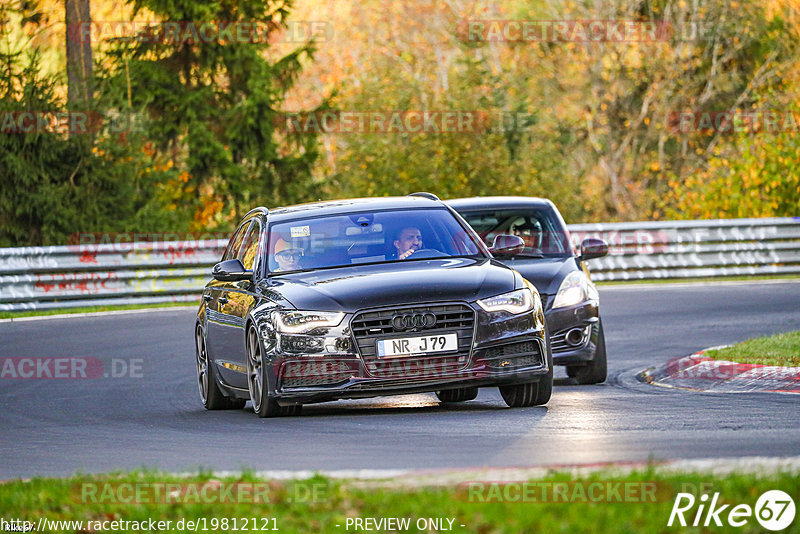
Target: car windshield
540,229
367,237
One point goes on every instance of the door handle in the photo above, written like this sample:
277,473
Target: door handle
223,300
207,298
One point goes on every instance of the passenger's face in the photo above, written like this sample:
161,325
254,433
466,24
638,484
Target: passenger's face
288,260
410,239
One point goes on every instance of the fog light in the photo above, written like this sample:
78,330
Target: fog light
576,336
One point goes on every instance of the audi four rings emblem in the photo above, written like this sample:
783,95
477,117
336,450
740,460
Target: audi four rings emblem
413,320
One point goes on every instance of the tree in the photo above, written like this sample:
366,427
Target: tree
213,100
79,53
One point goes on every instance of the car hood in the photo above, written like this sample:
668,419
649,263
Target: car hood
355,287
545,273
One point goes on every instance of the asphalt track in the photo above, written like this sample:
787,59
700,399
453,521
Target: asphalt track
154,419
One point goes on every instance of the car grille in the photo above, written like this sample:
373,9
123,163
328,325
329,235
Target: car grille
370,326
298,374
514,355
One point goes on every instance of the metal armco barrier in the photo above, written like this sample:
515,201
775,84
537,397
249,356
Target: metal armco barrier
694,249
176,271
105,274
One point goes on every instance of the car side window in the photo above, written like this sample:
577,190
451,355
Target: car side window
235,243
247,254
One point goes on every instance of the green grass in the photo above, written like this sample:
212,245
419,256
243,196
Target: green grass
91,309
319,504
780,349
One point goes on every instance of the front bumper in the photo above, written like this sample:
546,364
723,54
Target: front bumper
306,380
492,349
584,317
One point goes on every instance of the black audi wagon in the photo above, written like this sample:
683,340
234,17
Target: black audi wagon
570,300
367,297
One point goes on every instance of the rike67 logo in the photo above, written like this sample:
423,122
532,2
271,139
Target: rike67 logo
774,510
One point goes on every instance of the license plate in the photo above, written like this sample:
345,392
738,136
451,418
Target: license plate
410,346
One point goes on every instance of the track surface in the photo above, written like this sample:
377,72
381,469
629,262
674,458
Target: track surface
58,427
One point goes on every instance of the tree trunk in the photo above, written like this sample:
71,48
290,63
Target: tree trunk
79,53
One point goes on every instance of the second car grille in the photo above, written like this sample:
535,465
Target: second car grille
298,374
370,326
513,355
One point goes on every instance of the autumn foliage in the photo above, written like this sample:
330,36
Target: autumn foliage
589,123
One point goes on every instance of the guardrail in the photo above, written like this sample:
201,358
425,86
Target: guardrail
176,271
694,249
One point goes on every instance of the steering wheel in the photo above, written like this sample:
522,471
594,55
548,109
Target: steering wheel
428,253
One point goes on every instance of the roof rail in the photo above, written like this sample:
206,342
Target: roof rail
261,209
423,194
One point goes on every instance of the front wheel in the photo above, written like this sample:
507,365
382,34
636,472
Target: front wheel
596,370
257,382
210,394
533,393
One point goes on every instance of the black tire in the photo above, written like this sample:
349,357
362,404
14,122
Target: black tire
596,370
210,394
257,382
457,395
572,371
533,393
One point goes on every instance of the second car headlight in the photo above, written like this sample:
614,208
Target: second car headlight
574,289
298,322
515,302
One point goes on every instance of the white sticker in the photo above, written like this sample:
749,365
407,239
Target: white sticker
300,231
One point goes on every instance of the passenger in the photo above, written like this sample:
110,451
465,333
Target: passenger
530,230
409,240
287,256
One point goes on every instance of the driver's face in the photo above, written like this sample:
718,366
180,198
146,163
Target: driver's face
410,239
288,260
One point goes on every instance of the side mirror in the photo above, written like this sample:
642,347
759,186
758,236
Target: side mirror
507,245
231,271
593,248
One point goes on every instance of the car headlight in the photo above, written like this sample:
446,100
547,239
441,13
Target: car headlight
298,322
575,288
515,302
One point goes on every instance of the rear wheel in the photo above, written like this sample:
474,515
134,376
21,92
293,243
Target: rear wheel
210,394
532,393
457,395
596,370
257,382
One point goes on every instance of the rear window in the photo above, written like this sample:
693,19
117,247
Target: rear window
540,229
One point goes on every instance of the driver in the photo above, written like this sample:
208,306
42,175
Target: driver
408,241
287,256
530,230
